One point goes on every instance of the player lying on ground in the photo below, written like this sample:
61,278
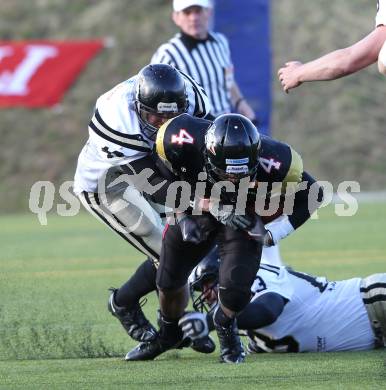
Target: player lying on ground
292,311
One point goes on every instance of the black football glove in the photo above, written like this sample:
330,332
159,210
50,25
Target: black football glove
232,220
235,221
258,232
190,230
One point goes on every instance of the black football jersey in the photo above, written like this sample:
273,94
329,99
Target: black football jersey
278,163
180,145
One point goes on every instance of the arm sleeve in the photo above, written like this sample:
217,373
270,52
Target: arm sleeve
304,204
262,311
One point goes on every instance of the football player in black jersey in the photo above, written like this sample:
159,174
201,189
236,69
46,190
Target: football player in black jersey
244,172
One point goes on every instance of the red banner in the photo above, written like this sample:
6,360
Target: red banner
37,73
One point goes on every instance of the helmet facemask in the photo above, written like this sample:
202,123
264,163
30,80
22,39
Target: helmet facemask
200,302
151,120
203,282
216,174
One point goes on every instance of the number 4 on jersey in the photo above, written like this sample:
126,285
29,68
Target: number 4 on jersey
183,137
268,164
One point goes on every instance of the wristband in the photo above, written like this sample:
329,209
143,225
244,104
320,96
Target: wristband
279,228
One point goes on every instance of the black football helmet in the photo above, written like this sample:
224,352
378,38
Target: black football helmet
232,146
161,93
206,271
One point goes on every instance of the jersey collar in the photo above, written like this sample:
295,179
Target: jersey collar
191,43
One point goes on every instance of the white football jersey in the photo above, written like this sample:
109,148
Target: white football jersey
381,13
319,316
115,136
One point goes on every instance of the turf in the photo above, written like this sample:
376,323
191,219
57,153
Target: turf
55,331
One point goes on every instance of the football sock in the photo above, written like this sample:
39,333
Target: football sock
169,330
140,284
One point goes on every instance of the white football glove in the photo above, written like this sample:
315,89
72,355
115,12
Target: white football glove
194,325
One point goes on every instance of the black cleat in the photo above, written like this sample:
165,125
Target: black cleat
147,350
133,320
169,337
231,348
204,345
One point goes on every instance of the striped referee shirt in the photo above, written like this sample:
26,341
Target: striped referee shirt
208,61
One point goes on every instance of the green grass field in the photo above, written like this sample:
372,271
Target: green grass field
55,331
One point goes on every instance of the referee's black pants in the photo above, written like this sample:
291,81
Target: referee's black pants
240,258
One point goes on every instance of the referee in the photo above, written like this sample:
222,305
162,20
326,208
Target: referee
205,56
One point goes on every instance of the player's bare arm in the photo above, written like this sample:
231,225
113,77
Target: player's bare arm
336,64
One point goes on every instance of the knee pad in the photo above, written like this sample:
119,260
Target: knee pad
234,298
235,285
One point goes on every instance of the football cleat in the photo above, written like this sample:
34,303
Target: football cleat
231,347
204,345
169,337
133,320
252,347
147,350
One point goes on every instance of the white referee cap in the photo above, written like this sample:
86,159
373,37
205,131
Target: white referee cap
179,5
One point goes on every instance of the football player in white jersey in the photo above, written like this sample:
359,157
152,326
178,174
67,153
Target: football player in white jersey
292,311
338,63
121,137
